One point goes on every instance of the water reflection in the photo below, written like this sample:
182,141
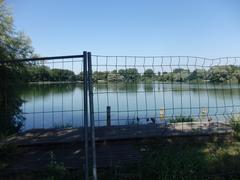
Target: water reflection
46,89
52,105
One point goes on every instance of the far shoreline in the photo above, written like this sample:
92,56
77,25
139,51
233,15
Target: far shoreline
55,82
139,81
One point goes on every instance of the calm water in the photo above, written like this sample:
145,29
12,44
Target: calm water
61,105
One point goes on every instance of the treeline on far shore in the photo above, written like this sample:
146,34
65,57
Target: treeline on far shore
215,74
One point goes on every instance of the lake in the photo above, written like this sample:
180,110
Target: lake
61,105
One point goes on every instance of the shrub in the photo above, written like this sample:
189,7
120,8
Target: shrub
54,170
235,124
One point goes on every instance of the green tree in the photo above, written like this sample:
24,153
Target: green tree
13,45
79,77
180,70
197,74
114,76
180,74
100,75
220,74
130,74
165,77
148,74
237,75
43,73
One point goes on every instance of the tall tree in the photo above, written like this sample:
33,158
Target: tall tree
148,73
13,45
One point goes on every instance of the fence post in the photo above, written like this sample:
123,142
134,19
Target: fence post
108,116
91,107
85,100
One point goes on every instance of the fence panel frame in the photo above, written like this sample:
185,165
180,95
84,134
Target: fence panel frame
91,109
85,87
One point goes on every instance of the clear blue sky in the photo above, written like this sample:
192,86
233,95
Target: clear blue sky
208,28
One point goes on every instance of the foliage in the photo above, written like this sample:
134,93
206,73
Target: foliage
235,124
100,75
216,74
7,154
10,102
13,45
236,74
181,158
165,76
114,76
216,157
197,75
129,75
54,170
180,75
62,75
44,73
79,77
220,73
148,74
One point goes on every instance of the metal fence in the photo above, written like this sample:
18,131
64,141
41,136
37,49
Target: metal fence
131,90
179,92
55,95
124,97
50,100
142,97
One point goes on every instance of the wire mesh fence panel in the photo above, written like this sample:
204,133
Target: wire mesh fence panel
171,91
181,93
132,96
53,94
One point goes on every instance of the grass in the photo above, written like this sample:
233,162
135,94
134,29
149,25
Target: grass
182,158
54,170
7,156
235,124
166,158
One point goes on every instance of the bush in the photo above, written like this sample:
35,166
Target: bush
54,170
235,124
7,155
